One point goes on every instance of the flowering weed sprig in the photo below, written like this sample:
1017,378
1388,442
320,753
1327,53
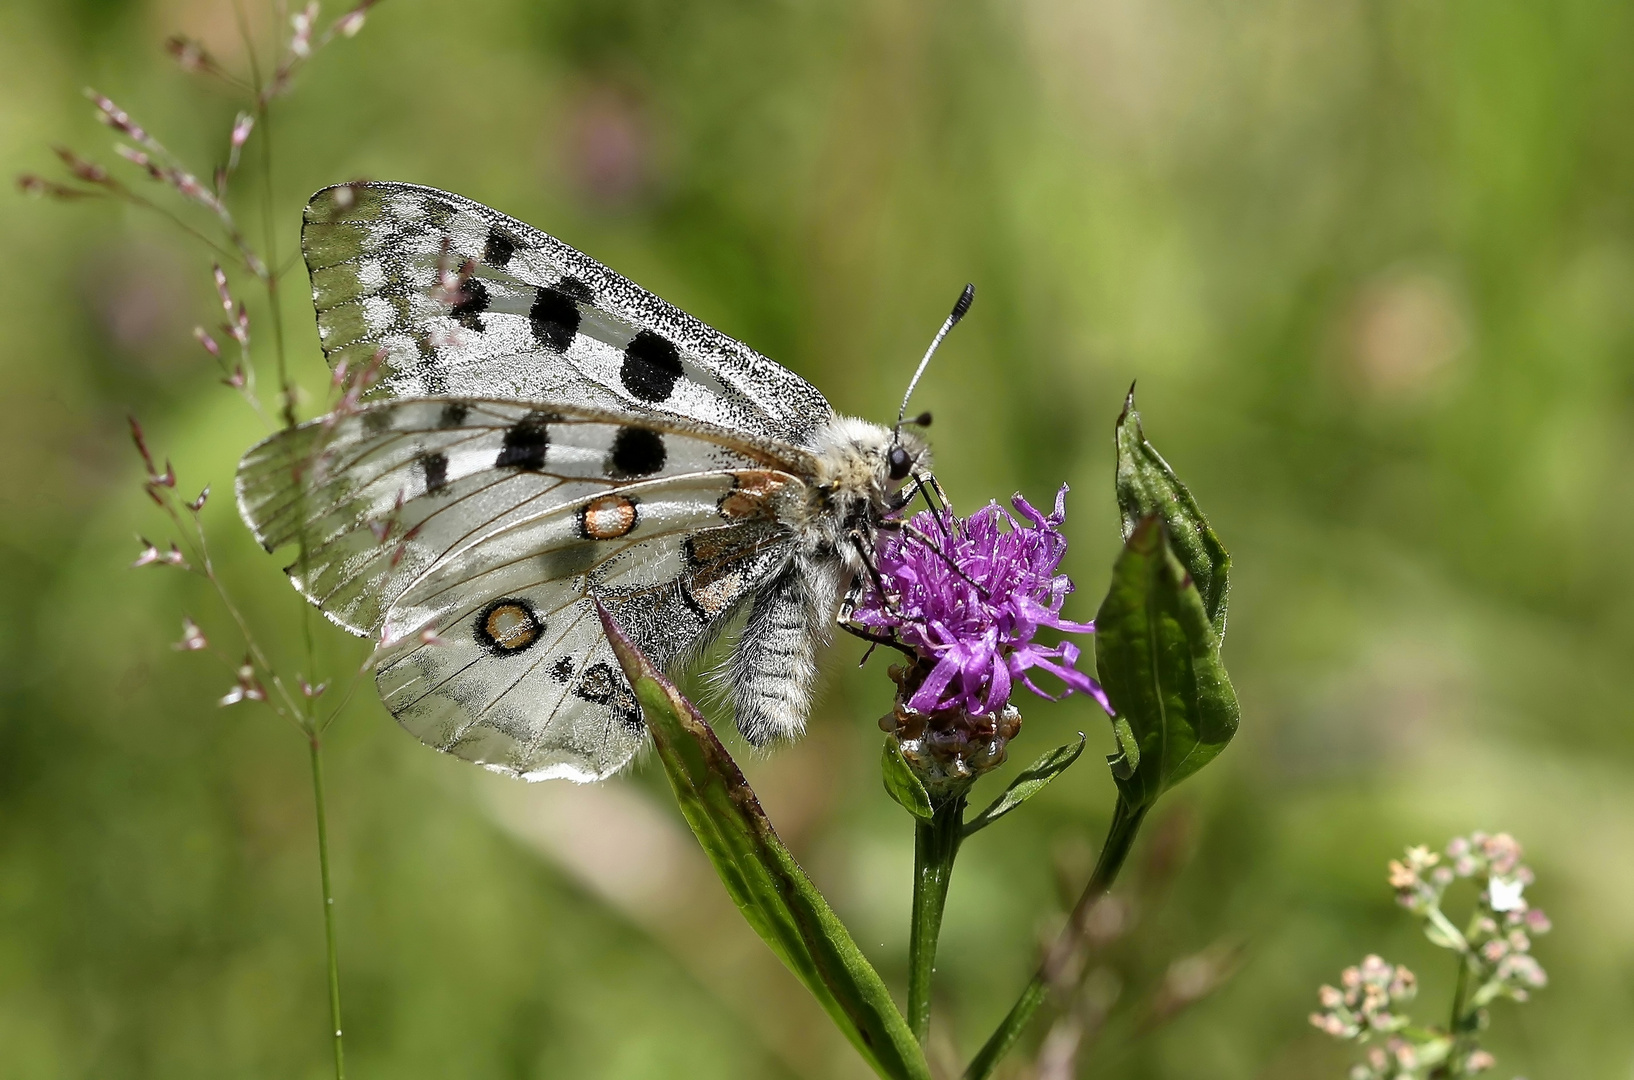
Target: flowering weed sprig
253,676
223,235
1494,961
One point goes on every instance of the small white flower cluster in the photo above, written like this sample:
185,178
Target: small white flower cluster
1495,956
1498,938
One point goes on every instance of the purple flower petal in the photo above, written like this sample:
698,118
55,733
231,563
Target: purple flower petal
970,595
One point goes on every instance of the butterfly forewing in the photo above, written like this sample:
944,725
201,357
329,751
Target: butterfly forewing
464,300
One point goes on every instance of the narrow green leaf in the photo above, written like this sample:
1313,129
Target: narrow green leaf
1145,486
1029,782
1158,657
901,783
770,889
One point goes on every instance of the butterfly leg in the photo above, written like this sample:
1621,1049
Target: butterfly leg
775,662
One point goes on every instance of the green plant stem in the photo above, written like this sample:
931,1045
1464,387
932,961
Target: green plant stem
935,846
286,388
316,746
1120,837
1458,1023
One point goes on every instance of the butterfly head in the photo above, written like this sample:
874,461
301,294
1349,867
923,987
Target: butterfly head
863,465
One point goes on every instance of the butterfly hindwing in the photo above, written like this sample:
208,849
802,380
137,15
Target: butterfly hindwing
461,299
525,683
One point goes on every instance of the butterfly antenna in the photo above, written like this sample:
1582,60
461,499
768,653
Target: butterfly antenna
966,298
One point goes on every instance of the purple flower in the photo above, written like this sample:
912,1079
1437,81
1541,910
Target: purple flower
968,595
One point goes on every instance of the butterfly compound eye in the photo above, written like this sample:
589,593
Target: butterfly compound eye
901,463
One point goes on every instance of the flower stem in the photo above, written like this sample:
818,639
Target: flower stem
935,846
316,745
1458,1026
1120,837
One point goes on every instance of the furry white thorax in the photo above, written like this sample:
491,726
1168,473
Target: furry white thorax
835,517
851,489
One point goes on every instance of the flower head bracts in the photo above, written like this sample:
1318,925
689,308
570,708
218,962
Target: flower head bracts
969,595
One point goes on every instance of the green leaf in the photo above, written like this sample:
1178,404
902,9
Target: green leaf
1029,782
1127,759
768,886
1157,656
1145,486
901,783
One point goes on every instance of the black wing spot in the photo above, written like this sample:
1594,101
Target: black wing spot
600,686
555,318
435,467
563,670
474,301
578,290
637,452
454,414
438,214
508,626
498,250
526,443
652,364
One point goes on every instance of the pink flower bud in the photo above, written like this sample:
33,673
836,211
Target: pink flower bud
150,554
192,638
115,117
248,687
187,52
88,171
140,439
207,341
223,291
301,42
139,159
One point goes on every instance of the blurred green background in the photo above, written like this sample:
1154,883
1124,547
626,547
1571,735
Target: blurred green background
1372,263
